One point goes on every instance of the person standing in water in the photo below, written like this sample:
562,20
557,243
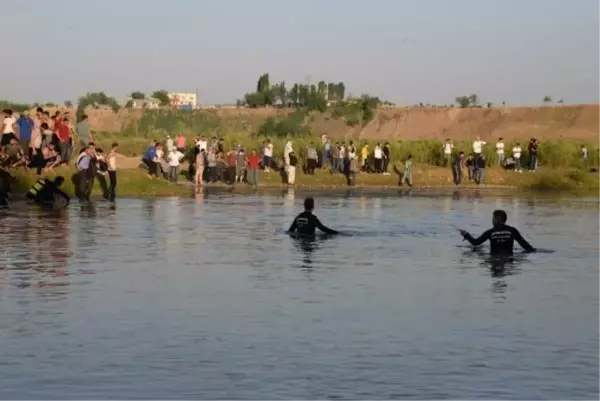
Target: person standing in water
501,236
306,222
112,171
200,163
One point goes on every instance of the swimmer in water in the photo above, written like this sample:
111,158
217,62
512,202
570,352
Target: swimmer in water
306,223
501,236
47,194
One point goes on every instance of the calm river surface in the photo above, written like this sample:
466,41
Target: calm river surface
208,298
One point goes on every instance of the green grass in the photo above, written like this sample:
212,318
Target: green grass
133,182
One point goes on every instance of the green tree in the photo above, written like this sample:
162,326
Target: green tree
331,91
322,89
138,95
96,99
162,96
295,95
547,99
474,100
304,95
341,91
254,99
50,104
561,101
463,101
68,103
263,84
281,93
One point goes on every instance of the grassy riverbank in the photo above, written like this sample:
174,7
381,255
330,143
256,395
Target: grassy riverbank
135,182
561,153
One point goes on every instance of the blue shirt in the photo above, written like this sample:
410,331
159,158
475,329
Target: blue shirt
84,163
25,127
150,153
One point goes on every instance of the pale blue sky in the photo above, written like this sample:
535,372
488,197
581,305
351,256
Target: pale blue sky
405,51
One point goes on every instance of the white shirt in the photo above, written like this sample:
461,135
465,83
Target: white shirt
477,146
175,158
169,144
342,152
112,162
378,153
268,150
500,148
448,148
517,152
202,144
8,125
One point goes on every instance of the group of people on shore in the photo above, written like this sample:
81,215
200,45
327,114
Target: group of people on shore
44,142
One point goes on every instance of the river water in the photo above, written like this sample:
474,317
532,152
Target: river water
208,298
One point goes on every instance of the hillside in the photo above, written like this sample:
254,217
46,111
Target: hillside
580,122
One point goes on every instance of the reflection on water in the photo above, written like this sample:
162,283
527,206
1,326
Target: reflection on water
210,296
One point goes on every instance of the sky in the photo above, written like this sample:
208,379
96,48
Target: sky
404,51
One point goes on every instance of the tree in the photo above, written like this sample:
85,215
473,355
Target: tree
95,99
138,95
474,99
331,91
295,95
50,104
561,101
162,96
547,99
489,105
304,95
254,99
322,88
129,104
280,93
463,101
263,84
341,90
68,103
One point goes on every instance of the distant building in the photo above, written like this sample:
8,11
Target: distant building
148,103
181,99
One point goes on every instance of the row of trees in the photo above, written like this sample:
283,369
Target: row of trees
313,97
472,101
161,95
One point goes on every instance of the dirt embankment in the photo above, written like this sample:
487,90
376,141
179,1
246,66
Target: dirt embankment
580,122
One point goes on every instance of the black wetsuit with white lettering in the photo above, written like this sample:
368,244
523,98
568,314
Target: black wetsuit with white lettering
306,223
502,239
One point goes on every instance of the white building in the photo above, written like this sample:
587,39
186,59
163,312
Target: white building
148,103
179,99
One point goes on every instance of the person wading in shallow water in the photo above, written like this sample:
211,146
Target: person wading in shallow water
501,236
306,222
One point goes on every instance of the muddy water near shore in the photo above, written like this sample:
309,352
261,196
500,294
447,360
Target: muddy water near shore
206,297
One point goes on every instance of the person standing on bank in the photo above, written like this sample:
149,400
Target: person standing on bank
386,158
291,171
457,168
200,163
84,131
111,160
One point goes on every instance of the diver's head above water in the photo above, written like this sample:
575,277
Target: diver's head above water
309,204
499,217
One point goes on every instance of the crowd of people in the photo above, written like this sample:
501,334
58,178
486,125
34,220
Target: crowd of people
43,142
210,162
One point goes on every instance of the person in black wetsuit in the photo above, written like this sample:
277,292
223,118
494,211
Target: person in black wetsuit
501,236
43,193
306,223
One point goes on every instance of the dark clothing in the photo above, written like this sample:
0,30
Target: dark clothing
112,175
306,223
502,238
457,174
311,165
43,193
152,166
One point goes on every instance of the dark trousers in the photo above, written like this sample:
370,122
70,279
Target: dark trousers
471,170
112,176
385,164
311,165
152,167
212,174
38,161
457,175
231,170
86,183
378,166
532,161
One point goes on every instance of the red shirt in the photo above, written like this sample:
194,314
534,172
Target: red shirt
231,159
62,131
253,161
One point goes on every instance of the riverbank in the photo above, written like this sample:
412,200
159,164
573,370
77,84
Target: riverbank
134,182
